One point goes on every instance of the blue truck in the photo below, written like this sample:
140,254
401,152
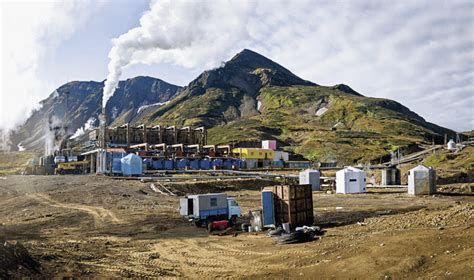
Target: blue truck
203,209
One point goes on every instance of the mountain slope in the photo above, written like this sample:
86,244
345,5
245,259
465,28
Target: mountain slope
84,105
252,98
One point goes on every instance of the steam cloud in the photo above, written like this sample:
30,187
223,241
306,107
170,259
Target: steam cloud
178,32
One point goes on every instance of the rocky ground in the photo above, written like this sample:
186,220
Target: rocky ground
98,227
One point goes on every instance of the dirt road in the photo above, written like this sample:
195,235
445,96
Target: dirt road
89,226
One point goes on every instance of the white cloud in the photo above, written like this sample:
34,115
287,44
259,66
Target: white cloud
419,53
30,30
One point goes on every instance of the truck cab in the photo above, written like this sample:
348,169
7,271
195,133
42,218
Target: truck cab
234,208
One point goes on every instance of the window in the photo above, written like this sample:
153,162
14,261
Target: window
213,202
352,180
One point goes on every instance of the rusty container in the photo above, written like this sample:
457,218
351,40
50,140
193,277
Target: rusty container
293,204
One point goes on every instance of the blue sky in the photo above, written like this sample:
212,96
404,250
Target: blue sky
419,53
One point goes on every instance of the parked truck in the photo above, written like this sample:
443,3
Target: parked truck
203,209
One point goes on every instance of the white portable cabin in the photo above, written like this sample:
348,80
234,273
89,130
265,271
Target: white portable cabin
421,180
451,145
310,177
350,180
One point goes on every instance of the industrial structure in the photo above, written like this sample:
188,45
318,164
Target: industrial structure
128,136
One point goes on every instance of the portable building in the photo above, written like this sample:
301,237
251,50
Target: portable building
350,180
269,144
280,155
253,153
310,177
421,180
131,165
292,204
451,145
390,176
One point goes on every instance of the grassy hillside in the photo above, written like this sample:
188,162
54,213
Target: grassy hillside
15,162
252,98
365,128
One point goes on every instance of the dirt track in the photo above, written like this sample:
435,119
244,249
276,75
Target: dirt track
88,226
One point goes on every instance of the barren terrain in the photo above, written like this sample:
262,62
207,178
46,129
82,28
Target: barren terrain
91,226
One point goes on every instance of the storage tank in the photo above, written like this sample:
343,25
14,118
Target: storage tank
182,163
194,164
131,165
350,180
227,164
310,177
451,145
217,163
205,164
421,180
168,164
157,164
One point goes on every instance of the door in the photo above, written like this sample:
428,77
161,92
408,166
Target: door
268,209
190,207
183,206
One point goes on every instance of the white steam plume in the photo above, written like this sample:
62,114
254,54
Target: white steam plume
179,32
30,32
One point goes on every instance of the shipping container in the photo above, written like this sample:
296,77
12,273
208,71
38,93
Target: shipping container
293,204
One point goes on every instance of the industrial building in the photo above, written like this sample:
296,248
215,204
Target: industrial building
127,136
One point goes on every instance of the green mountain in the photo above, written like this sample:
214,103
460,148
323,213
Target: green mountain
251,98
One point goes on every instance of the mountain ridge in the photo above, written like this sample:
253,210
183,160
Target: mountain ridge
251,97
